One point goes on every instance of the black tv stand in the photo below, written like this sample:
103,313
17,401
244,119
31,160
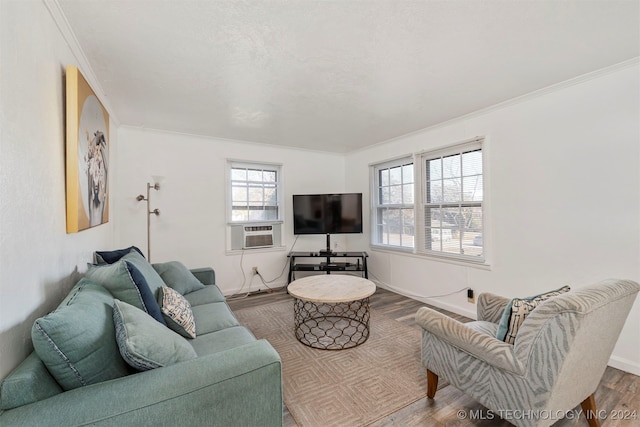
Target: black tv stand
327,262
328,251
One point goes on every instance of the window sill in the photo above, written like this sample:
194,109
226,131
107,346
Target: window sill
438,258
256,250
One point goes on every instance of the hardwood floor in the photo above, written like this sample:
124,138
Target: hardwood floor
618,395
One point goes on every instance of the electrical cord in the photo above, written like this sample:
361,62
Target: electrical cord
236,295
284,268
411,294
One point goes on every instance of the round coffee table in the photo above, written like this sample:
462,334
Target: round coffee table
331,312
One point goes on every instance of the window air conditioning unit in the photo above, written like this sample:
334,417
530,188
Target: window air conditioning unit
258,236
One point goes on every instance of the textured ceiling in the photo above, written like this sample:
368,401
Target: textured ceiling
336,75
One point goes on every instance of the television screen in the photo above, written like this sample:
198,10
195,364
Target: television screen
327,213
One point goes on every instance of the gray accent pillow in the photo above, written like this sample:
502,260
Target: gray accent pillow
144,343
178,277
77,341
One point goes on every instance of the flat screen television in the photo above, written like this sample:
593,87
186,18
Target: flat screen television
327,213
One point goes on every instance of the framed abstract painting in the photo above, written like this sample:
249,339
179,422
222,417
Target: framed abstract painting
87,155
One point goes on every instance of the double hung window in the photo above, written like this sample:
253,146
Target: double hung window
394,204
439,214
255,194
451,202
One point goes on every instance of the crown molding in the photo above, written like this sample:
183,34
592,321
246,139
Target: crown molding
633,62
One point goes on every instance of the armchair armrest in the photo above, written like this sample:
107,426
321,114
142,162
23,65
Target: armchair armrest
206,275
209,390
490,307
479,345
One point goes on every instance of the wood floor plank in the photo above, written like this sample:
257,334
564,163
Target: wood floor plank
618,391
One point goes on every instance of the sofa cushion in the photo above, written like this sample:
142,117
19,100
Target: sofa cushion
28,383
517,311
77,341
151,276
177,312
222,340
207,295
178,277
144,344
213,317
127,283
109,257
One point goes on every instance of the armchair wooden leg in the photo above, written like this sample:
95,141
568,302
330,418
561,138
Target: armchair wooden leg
589,408
432,384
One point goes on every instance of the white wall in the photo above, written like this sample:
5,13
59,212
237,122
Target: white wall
39,262
563,199
192,225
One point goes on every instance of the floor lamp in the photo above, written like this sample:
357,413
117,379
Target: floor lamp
150,212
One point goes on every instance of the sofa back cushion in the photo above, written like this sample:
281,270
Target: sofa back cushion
77,341
127,283
177,276
151,276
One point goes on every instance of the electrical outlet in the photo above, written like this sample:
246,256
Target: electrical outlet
254,270
471,296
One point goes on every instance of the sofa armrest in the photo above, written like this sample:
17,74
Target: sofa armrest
206,275
479,345
238,387
490,307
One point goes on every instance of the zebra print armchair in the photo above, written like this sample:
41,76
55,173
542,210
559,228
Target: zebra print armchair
558,358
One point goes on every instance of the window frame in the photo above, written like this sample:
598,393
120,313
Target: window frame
420,203
377,226
476,144
277,184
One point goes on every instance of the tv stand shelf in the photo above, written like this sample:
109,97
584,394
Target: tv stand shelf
328,262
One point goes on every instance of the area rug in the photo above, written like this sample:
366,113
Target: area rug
352,387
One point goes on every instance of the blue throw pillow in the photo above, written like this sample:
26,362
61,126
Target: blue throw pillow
109,257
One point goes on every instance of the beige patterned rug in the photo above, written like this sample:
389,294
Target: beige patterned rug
353,387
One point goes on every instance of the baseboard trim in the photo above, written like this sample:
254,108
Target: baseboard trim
624,365
471,314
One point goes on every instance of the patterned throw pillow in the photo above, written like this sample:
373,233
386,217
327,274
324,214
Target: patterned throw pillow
518,309
177,312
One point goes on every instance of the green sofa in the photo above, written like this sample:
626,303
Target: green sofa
232,380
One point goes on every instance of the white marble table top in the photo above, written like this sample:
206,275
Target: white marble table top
331,288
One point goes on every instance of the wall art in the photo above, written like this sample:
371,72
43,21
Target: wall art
87,155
